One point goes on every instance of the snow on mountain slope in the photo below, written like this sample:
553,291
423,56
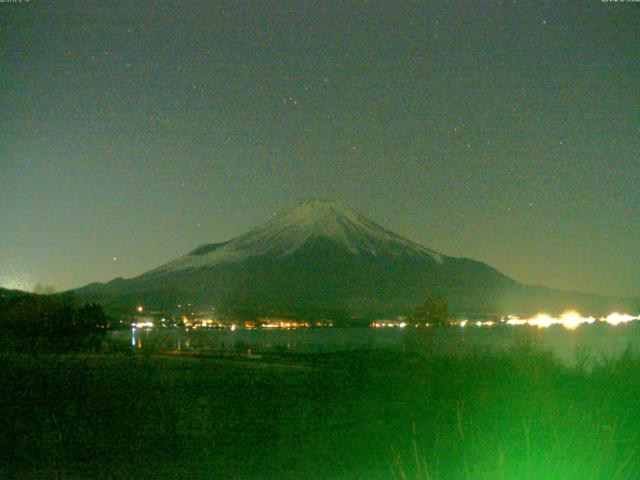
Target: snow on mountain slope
289,232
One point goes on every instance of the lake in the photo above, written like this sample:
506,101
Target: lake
597,340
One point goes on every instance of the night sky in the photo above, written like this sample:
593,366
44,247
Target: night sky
131,132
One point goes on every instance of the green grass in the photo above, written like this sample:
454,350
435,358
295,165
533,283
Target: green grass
518,414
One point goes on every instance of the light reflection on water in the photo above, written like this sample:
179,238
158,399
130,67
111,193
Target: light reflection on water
595,339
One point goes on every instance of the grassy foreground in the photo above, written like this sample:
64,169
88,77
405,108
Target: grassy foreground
364,415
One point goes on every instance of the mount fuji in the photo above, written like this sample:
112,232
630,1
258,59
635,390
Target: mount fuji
323,259
297,230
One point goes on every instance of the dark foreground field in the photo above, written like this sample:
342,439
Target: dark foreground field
368,415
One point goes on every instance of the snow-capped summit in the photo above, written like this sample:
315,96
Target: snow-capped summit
290,231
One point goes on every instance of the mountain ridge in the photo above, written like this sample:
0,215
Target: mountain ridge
322,258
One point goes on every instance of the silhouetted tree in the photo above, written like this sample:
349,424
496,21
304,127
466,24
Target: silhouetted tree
433,310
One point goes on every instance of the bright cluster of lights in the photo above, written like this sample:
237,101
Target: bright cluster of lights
201,323
142,325
285,324
206,323
618,318
489,323
570,320
388,323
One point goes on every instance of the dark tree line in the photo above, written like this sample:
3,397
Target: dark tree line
42,323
